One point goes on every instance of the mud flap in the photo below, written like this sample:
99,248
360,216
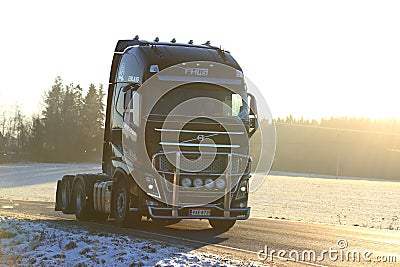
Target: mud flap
58,196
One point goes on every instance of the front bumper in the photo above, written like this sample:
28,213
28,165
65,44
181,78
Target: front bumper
184,213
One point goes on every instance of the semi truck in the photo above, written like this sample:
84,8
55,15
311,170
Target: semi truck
162,162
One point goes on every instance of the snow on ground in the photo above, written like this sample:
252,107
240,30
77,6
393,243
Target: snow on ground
43,243
37,181
345,201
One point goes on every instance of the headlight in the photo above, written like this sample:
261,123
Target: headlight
243,189
186,182
220,183
197,182
152,188
209,183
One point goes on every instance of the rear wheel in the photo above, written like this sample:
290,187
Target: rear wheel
122,202
82,210
66,200
222,225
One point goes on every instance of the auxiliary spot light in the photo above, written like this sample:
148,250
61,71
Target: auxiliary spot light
186,182
209,183
197,182
220,183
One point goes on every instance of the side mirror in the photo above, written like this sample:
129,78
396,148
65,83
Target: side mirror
253,114
252,105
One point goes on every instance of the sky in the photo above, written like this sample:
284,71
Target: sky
308,58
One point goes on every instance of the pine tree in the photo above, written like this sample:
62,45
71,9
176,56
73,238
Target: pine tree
71,123
93,118
51,118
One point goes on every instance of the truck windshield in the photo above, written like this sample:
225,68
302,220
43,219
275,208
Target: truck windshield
227,104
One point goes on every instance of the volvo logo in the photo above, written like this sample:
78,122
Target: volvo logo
200,137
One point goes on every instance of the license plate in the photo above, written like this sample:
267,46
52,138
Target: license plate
199,212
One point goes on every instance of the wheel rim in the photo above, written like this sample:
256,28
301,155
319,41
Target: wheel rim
121,204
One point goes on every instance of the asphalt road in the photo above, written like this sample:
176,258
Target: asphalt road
333,245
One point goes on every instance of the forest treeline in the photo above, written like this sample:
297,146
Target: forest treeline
70,129
357,147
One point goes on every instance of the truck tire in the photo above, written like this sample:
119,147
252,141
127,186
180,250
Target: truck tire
82,197
121,203
83,211
66,194
221,225
58,197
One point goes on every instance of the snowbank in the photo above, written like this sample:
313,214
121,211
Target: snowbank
41,243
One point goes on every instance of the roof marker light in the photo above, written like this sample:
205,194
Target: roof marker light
154,69
173,40
190,42
157,39
136,37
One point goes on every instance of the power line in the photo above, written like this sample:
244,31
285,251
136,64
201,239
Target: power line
338,129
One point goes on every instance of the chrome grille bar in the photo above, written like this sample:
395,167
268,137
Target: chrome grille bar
175,193
197,131
227,197
198,145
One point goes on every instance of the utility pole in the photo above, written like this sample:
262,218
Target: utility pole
337,155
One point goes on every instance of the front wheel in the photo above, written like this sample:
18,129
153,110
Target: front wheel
222,225
122,203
